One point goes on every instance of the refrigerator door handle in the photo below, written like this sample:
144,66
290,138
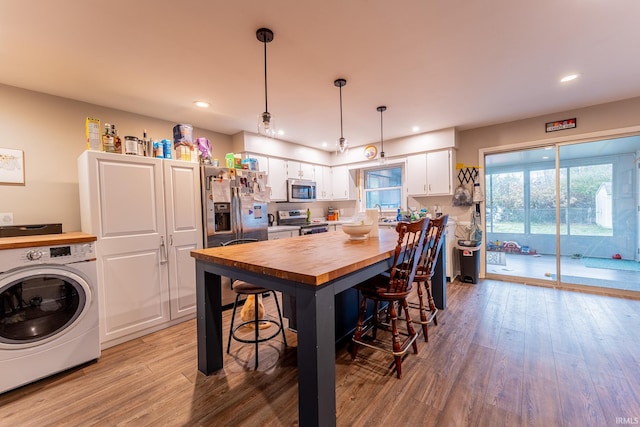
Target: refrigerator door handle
239,212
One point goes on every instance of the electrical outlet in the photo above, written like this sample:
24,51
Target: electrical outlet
6,218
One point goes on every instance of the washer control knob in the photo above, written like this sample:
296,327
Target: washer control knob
34,255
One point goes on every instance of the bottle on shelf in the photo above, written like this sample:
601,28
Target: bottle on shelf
117,142
107,139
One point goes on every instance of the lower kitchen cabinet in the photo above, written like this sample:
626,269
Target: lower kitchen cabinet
276,235
147,217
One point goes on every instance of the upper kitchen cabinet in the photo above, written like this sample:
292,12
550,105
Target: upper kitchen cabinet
343,183
431,173
323,182
300,170
277,179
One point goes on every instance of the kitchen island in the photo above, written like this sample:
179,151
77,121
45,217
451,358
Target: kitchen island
313,268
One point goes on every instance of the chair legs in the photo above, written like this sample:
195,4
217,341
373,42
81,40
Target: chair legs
425,318
399,347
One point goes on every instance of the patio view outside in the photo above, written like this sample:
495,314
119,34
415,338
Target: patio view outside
591,240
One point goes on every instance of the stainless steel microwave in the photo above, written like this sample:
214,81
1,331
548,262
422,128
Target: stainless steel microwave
301,190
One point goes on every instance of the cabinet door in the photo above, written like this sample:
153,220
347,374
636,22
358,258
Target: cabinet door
293,169
343,183
280,235
307,171
184,233
439,174
417,174
323,182
278,179
122,201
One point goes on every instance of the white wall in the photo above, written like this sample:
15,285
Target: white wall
51,132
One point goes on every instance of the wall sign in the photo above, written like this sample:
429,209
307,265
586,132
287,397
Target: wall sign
560,125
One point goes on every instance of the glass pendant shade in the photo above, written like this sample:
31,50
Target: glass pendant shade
266,125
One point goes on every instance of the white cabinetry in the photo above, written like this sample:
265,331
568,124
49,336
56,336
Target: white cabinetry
300,170
147,217
323,182
417,174
430,174
277,235
440,173
277,179
343,183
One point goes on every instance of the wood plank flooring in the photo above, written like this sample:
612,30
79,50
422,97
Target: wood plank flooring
502,354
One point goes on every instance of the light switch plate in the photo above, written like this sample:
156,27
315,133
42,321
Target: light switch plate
6,218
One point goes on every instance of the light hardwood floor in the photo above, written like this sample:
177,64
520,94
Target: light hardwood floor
502,354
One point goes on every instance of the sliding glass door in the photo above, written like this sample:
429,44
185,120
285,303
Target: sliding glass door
568,222
521,214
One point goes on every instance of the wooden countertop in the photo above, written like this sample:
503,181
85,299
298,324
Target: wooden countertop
313,259
46,240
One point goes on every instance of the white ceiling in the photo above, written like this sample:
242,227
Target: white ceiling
434,64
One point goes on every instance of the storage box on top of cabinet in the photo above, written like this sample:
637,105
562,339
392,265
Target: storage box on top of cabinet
147,216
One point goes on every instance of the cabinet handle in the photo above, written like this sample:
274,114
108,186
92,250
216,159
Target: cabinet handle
170,239
163,251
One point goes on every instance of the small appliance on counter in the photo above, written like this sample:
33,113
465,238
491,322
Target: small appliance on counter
30,230
299,217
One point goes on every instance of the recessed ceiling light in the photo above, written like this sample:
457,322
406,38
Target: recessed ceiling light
324,144
569,78
280,132
415,128
202,104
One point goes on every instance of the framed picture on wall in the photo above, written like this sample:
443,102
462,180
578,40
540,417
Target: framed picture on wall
11,166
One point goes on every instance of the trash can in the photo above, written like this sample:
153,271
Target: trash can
469,251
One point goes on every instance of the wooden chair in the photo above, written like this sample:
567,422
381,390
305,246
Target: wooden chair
392,288
424,272
241,287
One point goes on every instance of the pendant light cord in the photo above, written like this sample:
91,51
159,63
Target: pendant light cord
341,135
381,133
266,106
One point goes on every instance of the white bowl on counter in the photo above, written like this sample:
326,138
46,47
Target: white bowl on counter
357,230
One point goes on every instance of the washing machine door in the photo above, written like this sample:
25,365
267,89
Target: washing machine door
40,304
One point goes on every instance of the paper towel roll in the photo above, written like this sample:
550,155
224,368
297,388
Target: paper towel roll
372,215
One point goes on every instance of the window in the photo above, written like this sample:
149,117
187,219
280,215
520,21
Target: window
383,186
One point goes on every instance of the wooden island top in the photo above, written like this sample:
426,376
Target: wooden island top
314,259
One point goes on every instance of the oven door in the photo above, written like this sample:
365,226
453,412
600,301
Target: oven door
299,190
38,305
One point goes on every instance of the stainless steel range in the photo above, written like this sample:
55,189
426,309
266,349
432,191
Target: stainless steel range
299,217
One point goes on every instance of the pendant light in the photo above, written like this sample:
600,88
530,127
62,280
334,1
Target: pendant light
266,125
381,108
342,146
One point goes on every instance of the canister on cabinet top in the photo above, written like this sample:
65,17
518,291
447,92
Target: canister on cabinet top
167,146
131,145
158,149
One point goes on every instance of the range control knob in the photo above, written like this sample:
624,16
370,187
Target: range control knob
34,255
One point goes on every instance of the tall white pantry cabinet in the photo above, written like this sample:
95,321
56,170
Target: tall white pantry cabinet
147,217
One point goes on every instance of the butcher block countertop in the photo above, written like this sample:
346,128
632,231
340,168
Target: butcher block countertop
313,259
46,240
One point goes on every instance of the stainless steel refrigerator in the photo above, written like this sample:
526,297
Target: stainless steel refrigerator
232,209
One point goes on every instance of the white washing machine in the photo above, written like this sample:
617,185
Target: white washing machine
48,311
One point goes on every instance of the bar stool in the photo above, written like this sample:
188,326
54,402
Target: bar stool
424,272
241,287
392,287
